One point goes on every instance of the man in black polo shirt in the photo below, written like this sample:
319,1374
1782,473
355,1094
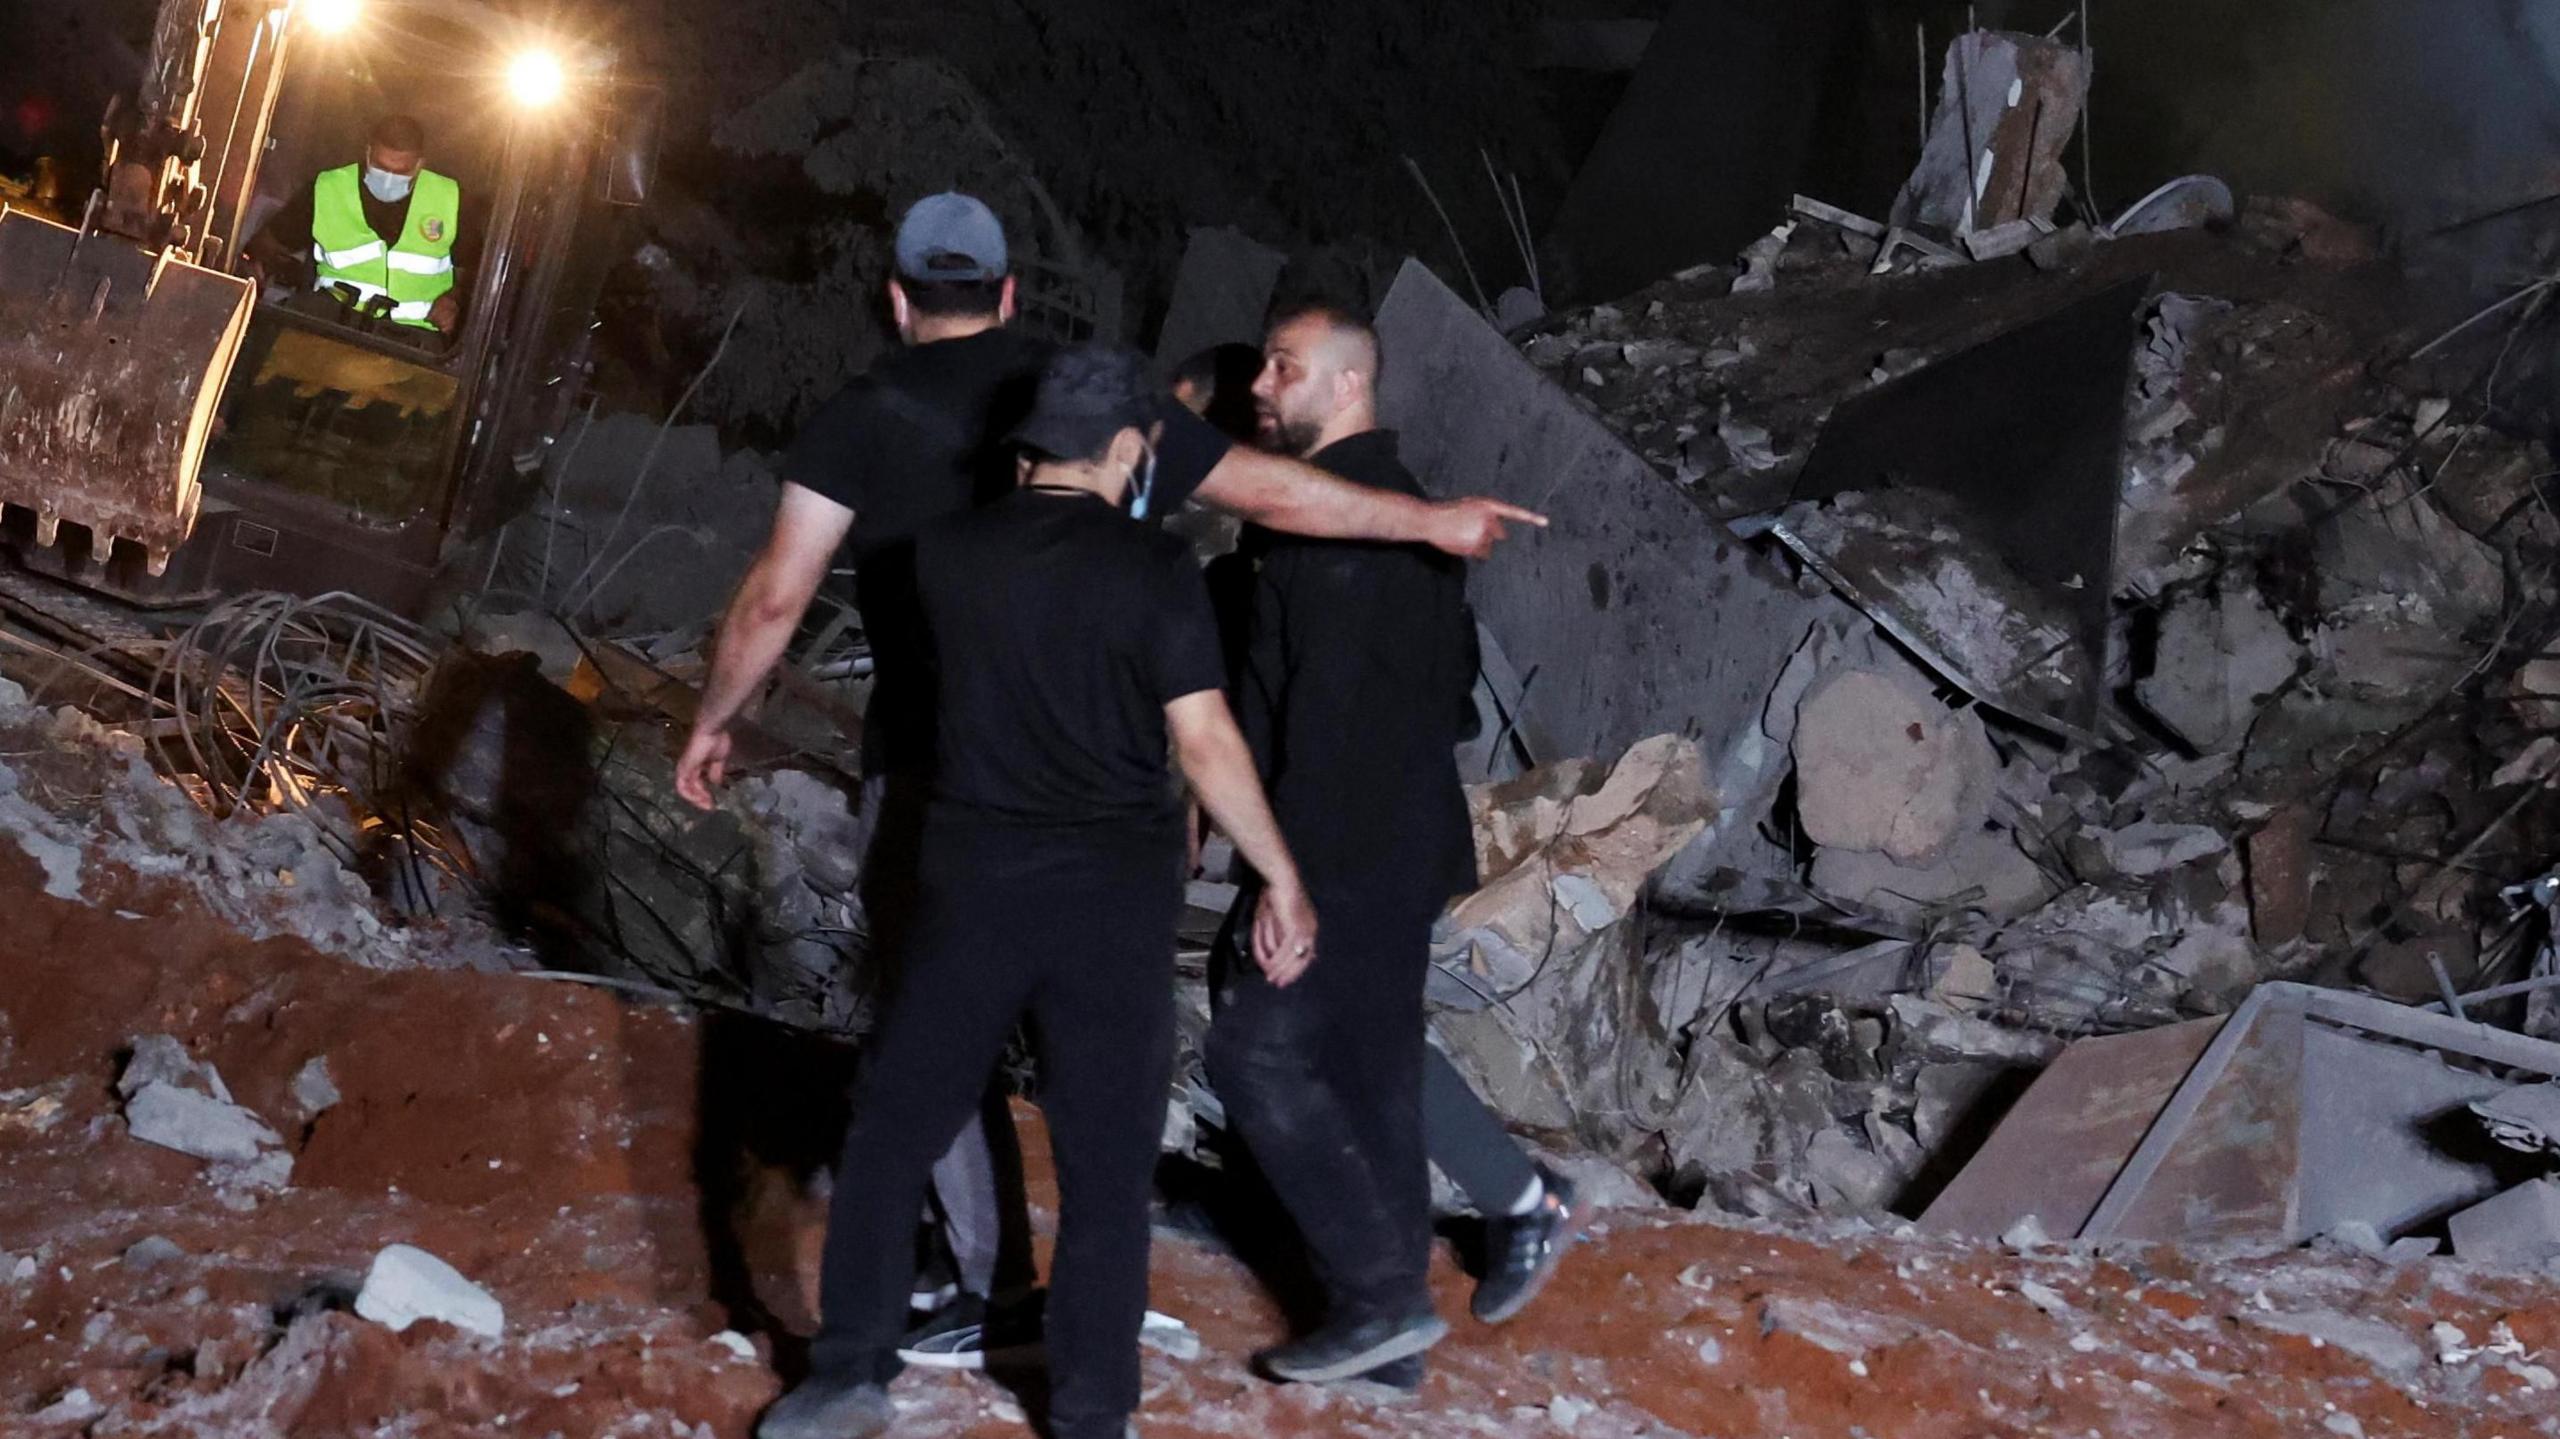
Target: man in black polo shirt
1070,649
916,439
1357,667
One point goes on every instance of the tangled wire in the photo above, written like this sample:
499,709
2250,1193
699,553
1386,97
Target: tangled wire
282,703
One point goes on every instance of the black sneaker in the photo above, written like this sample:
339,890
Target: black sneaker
963,1333
1521,1250
1348,1350
1394,1381
827,1409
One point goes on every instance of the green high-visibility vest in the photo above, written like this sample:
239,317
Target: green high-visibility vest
414,271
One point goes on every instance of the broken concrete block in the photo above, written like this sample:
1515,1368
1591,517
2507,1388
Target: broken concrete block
407,1284
191,1123
313,1089
1882,766
161,1059
2526,1117
1967,981
2139,851
1985,870
2517,1229
1673,623
2007,106
152,1252
1565,851
2279,867
2215,660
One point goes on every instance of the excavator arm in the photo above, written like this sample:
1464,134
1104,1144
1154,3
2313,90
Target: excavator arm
117,334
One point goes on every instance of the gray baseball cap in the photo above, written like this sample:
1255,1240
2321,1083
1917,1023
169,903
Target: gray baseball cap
951,237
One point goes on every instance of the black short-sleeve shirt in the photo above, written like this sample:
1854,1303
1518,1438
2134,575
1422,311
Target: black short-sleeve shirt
1059,630
918,439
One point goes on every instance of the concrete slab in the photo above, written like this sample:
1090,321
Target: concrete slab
1636,613
1220,294
2518,1228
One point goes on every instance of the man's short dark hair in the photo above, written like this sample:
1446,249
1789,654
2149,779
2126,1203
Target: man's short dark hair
943,298
401,133
1334,312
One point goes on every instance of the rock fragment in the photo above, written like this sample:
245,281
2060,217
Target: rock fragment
407,1284
1882,766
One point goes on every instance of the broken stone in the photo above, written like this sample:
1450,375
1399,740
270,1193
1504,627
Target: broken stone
1967,982
2279,870
313,1090
2007,107
161,1059
407,1284
152,1252
1882,766
197,1124
2517,1229
1169,1336
1984,870
1939,1033
2140,850
2389,1351
2217,658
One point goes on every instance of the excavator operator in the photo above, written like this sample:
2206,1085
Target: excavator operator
386,236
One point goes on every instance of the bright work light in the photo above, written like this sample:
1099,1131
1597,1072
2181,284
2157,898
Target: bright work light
331,17
535,78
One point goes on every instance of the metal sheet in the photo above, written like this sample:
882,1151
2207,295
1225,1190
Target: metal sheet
2068,1136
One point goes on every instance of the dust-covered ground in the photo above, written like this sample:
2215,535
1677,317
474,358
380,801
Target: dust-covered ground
628,1180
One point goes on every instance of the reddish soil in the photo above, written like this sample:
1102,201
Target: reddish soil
545,1138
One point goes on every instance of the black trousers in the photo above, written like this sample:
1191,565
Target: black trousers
1469,1144
1323,1081
1078,934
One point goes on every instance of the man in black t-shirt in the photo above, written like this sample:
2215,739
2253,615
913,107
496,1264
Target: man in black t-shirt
1070,649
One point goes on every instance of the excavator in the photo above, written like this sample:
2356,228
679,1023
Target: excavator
179,423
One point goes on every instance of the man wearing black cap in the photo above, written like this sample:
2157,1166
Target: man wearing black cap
915,440
1070,649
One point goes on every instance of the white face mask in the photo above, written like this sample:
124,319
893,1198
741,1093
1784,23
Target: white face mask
387,187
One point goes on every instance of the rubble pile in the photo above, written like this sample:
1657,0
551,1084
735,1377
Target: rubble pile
2293,728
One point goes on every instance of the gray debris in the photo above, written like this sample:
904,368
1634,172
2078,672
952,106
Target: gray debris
2526,1117
152,1252
314,1091
2153,847
2216,659
2517,1229
162,1059
75,1407
407,1284
196,1124
2394,1354
1882,766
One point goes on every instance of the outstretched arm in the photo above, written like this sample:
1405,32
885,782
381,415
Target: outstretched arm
1299,499
1214,758
770,601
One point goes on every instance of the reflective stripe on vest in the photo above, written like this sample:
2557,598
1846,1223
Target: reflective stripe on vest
412,272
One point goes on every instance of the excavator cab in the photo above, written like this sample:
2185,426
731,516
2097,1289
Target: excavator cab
340,448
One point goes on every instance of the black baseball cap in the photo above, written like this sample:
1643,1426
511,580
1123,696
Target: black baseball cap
1088,393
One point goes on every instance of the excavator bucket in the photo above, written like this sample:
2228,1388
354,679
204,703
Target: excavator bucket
112,361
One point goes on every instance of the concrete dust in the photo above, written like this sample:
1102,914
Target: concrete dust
588,1163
